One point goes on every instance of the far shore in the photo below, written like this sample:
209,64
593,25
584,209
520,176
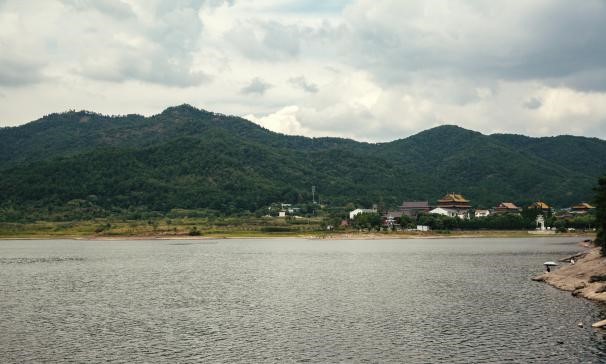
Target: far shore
311,236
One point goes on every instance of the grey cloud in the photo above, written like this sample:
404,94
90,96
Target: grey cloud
19,72
301,82
165,56
270,41
256,86
552,41
533,103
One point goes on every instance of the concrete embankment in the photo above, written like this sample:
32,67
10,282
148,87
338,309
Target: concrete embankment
586,278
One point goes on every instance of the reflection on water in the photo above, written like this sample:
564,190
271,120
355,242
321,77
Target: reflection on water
448,300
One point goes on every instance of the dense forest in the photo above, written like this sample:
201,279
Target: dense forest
85,165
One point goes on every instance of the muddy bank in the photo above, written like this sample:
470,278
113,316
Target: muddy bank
586,278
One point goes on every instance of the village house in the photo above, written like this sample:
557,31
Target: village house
481,213
507,208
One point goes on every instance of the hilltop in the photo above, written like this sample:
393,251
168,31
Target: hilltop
186,158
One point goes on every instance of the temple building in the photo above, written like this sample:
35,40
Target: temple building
581,208
507,207
453,205
454,201
540,205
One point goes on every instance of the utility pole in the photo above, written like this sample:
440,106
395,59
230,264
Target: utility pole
313,194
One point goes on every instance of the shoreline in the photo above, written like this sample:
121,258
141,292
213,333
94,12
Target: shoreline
311,236
586,278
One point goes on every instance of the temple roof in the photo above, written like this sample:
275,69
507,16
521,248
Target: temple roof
539,205
453,197
508,205
582,206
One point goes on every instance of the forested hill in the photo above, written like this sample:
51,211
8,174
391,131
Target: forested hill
195,159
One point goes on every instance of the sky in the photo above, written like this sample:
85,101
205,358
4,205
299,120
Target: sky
363,69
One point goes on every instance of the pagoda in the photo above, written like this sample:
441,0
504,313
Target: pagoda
454,201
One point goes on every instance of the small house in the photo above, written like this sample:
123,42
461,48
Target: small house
481,213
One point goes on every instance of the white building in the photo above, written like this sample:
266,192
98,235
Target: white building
444,212
355,212
461,214
482,213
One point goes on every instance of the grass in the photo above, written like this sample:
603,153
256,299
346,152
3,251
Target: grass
230,227
222,227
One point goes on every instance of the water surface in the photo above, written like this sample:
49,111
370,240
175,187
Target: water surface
291,300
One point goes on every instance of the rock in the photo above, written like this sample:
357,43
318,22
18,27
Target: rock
580,285
601,289
576,292
599,324
580,324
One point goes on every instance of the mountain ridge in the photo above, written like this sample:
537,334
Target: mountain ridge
190,158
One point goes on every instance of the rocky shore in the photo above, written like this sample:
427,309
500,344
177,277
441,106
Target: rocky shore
585,278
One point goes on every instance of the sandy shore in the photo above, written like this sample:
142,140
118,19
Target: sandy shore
582,278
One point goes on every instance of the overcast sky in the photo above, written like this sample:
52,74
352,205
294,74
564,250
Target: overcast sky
370,70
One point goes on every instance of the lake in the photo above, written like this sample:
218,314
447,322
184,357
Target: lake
291,300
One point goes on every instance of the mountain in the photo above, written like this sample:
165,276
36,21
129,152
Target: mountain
194,159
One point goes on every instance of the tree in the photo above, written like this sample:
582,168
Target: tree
366,221
600,202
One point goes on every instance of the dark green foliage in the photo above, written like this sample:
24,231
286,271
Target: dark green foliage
194,232
81,165
366,221
600,202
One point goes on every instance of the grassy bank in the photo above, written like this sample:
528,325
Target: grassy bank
229,227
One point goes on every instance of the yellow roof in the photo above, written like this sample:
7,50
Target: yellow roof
453,197
583,205
508,205
539,205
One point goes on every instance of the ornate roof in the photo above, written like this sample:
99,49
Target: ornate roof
582,206
540,205
453,197
508,205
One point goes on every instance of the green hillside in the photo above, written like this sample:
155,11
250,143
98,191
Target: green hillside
193,159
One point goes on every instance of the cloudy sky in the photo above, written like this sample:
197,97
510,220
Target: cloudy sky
365,69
